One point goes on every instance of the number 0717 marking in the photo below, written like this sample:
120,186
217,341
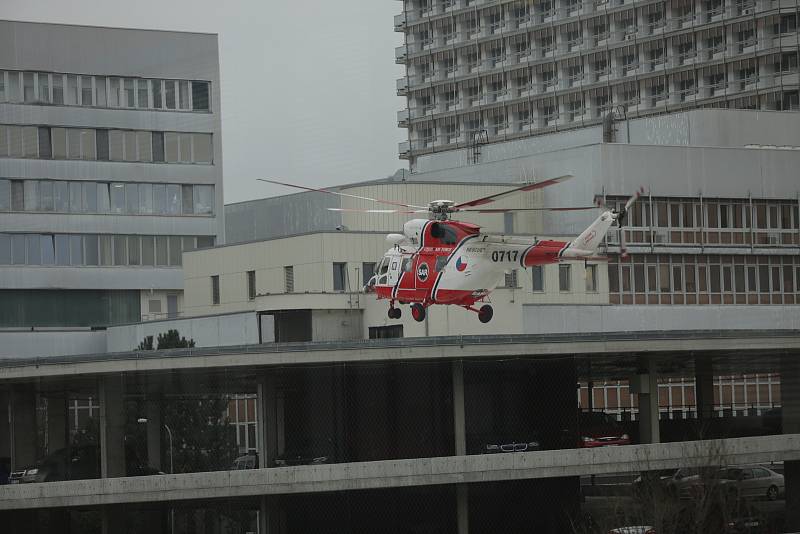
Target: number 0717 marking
505,255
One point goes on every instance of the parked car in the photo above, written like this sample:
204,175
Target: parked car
598,429
78,462
638,529
246,461
752,482
499,446
301,457
664,476
685,483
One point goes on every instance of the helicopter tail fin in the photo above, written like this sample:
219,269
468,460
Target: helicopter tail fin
587,244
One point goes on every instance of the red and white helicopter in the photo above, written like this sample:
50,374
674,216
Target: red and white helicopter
442,261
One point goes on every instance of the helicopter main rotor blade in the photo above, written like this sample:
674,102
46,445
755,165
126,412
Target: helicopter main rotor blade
509,210
358,210
524,188
337,193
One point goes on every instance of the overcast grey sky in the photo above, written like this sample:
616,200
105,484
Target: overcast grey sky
308,87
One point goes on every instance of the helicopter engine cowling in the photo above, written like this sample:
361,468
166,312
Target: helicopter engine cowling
396,239
413,229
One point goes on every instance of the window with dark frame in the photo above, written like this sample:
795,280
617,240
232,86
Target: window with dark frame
251,285
215,289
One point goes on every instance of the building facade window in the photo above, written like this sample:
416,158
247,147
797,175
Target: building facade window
537,277
46,142
591,278
705,279
510,280
93,250
368,271
564,277
288,279
215,289
103,91
339,276
101,197
251,285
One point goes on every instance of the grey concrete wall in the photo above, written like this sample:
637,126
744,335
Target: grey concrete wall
585,319
41,344
703,127
18,277
217,331
401,473
336,325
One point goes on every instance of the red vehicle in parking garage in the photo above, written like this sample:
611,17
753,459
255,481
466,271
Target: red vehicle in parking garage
599,429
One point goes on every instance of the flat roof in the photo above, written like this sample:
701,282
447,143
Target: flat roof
102,27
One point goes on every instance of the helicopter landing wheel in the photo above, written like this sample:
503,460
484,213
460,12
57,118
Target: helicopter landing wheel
418,312
395,313
485,313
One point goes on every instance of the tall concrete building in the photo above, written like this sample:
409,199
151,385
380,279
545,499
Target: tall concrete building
480,71
110,168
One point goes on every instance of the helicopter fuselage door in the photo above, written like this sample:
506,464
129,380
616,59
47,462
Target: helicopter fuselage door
395,264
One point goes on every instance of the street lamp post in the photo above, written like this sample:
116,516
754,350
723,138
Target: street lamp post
143,420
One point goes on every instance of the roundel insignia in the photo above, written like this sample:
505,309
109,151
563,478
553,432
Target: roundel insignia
461,265
422,271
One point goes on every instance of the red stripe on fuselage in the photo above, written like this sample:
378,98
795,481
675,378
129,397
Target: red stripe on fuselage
543,252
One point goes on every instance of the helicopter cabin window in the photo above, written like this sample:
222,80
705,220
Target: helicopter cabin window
446,234
406,265
441,262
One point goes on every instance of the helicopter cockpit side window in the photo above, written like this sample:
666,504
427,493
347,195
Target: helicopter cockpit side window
445,233
407,265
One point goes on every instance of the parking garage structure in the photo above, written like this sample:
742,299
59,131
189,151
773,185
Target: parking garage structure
383,434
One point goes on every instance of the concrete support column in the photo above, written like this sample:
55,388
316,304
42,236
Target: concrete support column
790,414
112,427
154,430
22,413
112,518
267,421
704,387
646,383
460,433
57,423
270,518
5,424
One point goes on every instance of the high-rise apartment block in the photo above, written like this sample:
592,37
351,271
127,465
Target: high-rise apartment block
480,71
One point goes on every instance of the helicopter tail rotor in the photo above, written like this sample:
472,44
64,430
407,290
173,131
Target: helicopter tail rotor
621,216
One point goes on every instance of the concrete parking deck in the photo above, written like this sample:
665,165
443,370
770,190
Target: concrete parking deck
401,473
450,347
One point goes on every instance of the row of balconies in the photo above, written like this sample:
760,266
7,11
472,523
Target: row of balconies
516,14
543,122
587,70
673,91
549,45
